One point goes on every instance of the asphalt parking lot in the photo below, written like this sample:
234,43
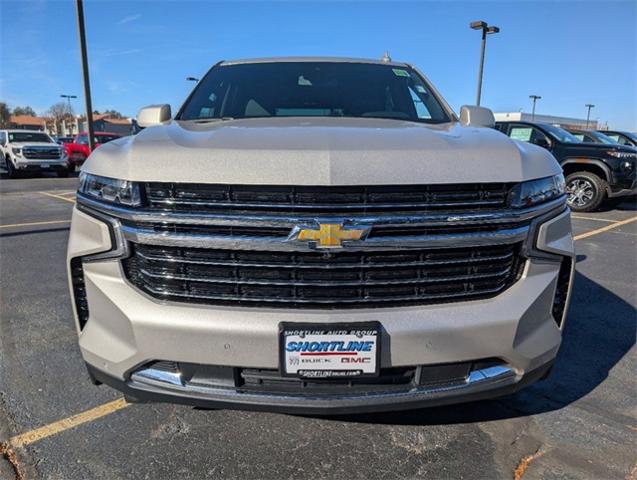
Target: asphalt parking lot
580,423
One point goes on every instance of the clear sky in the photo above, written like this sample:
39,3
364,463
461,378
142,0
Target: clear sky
570,53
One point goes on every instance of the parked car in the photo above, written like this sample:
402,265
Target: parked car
78,150
594,172
319,235
26,151
63,140
591,136
623,138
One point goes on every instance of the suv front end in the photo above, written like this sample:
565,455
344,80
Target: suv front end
189,281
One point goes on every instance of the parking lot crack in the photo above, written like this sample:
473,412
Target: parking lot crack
524,463
8,454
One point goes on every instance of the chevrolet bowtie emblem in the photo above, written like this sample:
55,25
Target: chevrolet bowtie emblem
330,235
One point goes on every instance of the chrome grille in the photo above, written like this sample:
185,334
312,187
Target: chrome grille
326,200
42,153
322,279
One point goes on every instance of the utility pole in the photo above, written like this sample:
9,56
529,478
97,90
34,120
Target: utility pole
87,83
535,98
486,30
588,114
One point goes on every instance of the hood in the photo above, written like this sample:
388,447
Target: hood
320,151
597,149
35,144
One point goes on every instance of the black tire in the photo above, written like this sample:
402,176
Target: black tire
63,173
11,171
585,191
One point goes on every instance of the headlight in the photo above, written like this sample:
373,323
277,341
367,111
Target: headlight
624,155
17,151
111,190
527,194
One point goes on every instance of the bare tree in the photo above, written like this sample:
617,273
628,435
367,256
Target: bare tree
24,111
113,114
59,111
5,115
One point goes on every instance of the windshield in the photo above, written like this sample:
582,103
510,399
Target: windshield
29,137
313,89
105,138
603,138
631,135
560,134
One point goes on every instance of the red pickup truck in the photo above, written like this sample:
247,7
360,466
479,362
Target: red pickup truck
78,151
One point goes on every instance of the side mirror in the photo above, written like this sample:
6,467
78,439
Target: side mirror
476,116
542,142
153,115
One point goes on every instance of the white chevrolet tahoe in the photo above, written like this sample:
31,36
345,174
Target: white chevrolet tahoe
31,151
319,235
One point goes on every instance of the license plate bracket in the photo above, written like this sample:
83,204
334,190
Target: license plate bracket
329,351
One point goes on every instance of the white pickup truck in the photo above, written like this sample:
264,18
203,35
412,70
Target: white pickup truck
31,151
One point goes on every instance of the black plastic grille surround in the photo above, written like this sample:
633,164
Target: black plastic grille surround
325,280
276,199
42,153
79,291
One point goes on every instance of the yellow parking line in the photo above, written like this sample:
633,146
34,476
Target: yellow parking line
54,428
60,197
604,229
578,217
31,224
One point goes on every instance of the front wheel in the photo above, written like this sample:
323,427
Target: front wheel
11,170
585,190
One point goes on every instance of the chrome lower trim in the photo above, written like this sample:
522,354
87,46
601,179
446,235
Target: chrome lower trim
478,380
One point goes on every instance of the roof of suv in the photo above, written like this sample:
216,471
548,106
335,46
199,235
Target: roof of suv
22,130
310,59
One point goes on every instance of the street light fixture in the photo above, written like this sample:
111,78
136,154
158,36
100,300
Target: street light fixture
535,98
486,30
588,114
69,97
192,79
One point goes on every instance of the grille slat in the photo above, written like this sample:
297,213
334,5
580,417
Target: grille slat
278,199
322,280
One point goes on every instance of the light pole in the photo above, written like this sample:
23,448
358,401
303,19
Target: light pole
588,114
69,97
486,30
535,98
87,83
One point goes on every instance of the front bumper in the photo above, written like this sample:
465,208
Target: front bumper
127,329
23,164
624,192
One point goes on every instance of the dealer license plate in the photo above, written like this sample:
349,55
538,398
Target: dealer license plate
330,351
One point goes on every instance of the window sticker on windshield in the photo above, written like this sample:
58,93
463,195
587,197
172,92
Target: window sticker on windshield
399,72
421,89
519,133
